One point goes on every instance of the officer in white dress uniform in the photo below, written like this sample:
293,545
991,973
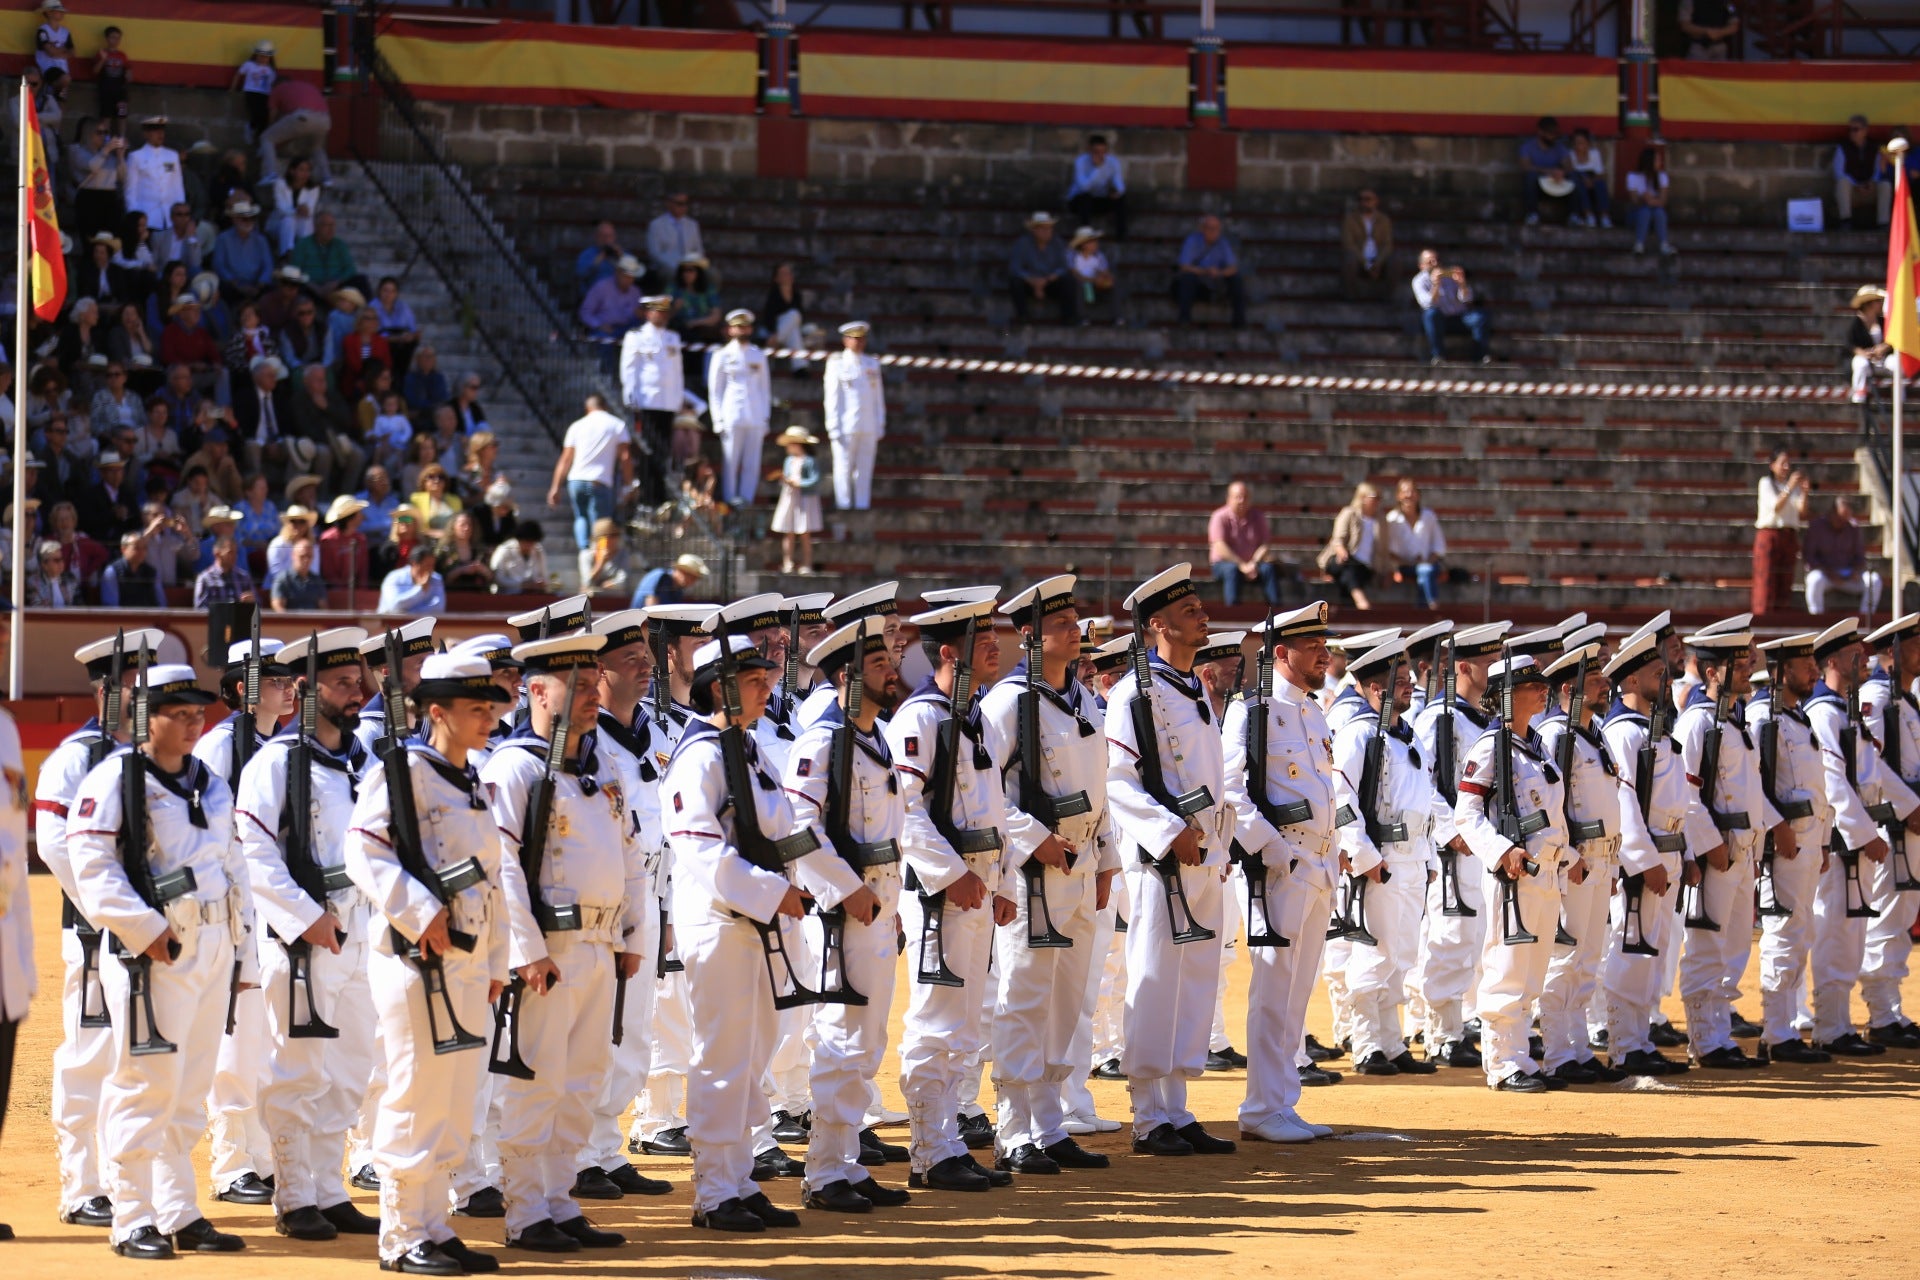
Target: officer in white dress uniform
653,384
1788,885
1060,841
315,1082
1174,824
181,946
155,181
856,416
576,889
438,958
854,807
740,391
1892,885
416,642
85,1056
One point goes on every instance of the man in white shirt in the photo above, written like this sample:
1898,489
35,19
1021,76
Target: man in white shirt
673,236
593,454
856,414
653,383
1776,531
1416,544
740,391
1099,188
154,183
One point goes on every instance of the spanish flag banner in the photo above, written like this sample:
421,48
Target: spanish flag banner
1903,260
49,265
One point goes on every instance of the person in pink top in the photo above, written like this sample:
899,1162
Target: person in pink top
1237,544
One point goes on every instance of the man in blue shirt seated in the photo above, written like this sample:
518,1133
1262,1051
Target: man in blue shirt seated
414,587
1038,270
1544,156
670,583
1099,189
1208,268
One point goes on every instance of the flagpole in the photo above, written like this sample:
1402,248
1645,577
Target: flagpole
1900,218
17,655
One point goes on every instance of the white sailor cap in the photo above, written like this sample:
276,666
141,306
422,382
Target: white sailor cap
1727,626
1759,678
838,649
97,657
1638,650
1787,647
1893,632
959,595
497,649
1536,644
1432,631
706,659
628,626
240,650
1100,626
1843,634
739,315
881,601
1308,620
554,619
682,619
1660,626
1049,595
1365,640
446,676
1112,655
1589,634
561,653
1562,668
1377,658
174,684
1162,589
1220,645
1720,641
755,613
1520,667
812,606
949,621
415,637
333,648
1572,622
855,329
1480,642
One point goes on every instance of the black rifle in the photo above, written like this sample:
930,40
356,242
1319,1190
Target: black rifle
1514,826
1857,906
1253,866
296,836
1693,898
1034,801
1904,880
1767,889
136,838
1373,766
1147,740
858,854
1446,780
932,970
1578,833
790,676
404,830
657,642
1633,888
245,724
93,998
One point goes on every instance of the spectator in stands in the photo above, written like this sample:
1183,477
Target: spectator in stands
421,454
1647,191
1239,547
131,582
797,512
52,582
481,469
435,499
186,342
1543,159
114,405
98,280
193,499
242,258
390,432
298,111
110,506
343,544
1776,532
1836,554
520,562
1447,306
669,585
53,40
1098,188
297,588
783,313
263,424
183,239
1859,200
1037,270
406,533
326,260
382,501
1209,264
595,464
215,457
259,518
397,325
303,340
136,350
1366,246
606,571
172,546
361,352
1709,26
296,525
296,198
322,419
1417,546
97,166
596,262
1867,341
449,446
673,237
1587,169
462,557
227,581
414,588
696,303
424,386
219,522
498,514
612,306
467,411
277,305
1093,275
1349,555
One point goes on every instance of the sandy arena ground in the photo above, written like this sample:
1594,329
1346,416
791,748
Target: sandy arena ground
1791,1170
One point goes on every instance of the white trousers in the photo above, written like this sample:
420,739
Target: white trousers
1512,976
853,470
315,1086
631,1059
1376,976
566,1037
425,1121
944,1027
1839,943
666,1089
1633,982
1040,995
1711,968
1277,1001
740,446
153,1107
731,1003
1110,1004
1453,948
849,1042
1233,891
1573,972
479,1169
310,127
1883,961
786,1085
1075,1096
1170,990
238,1139
80,1068
1819,583
1786,941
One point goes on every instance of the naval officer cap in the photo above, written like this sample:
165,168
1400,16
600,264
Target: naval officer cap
1047,597
1591,633
445,677
172,684
881,601
1365,640
855,329
415,638
1298,624
812,607
561,653
1837,638
1480,642
1637,651
681,620
1536,644
1219,646
1893,632
1112,655
1171,584
739,315
1432,631
866,636
949,621
97,657
628,626
1376,660
555,619
1519,668
1787,648
497,649
657,302
333,648
1561,670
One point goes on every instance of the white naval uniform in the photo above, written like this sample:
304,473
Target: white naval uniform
1711,967
1839,942
945,1027
1301,863
1512,976
152,1109
651,375
856,418
314,1086
1786,941
1376,975
1038,1002
591,861
85,1057
425,1119
154,183
848,1042
671,1047
1883,965
1450,946
739,389
1591,794
1170,986
719,898
787,1084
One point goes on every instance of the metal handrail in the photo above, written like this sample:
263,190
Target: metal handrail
1879,445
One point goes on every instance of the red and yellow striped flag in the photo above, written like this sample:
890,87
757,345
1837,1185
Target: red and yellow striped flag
1903,259
49,270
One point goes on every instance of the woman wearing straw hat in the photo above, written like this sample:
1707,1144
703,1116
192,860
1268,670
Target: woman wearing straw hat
1867,340
798,513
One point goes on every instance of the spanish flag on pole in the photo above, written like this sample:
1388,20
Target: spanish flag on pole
1903,261
49,270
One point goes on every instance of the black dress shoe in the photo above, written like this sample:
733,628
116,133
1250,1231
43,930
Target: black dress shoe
975,1131
1459,1054
1411,1066
1204,1143
994,1177
1376,1064
425,1259
1472,1030
1665,1035
544,1236
1851,1045
347,1219
788,1127
1521,1082
951,1174
1574,1073
768,1212
881,1197
1597,1039
728,1215
201,1236
97,1212
1314,1076
668,1142
593,1184
1553,1085
305,1223
1320,1053
1729,1058
487,1202
1233,1055
634,1183
1743,1029
776,1163
473,1260
1893,1036
1027,1158
1796,1051
837,1197
1069,1154
590,1236
1602,1073
1109,1070
1163,1140
145,1242
892,1152
365,1179
248,1188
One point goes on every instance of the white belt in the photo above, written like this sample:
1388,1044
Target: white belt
186,914
597,924
1606,847
880,873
